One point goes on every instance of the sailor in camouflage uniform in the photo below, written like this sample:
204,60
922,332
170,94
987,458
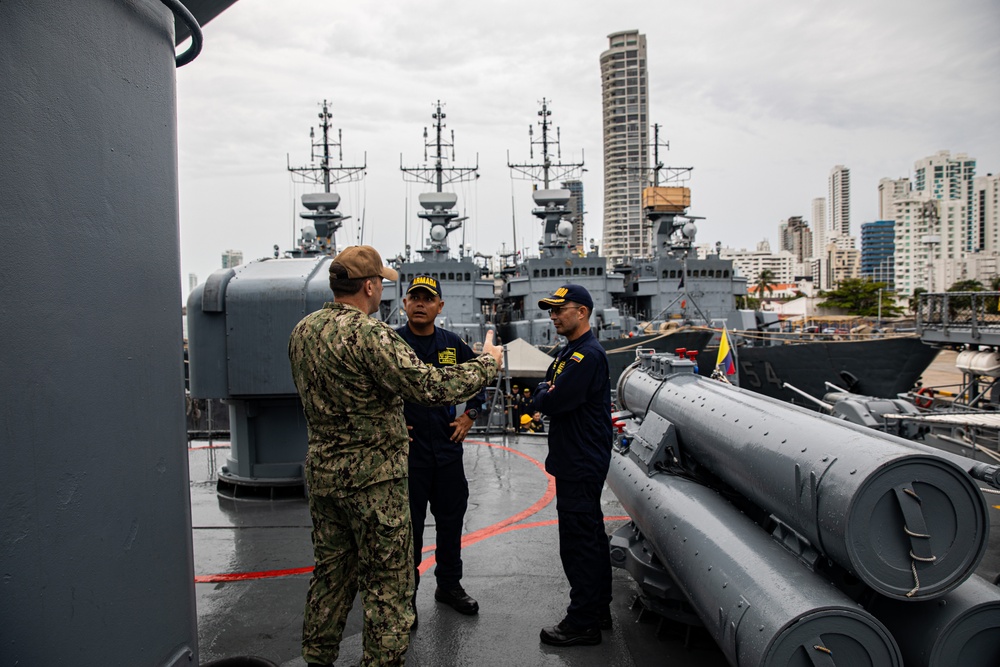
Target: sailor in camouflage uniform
353,373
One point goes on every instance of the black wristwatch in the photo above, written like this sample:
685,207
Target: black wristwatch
472,413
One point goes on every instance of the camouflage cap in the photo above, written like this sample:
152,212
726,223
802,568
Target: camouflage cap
361,261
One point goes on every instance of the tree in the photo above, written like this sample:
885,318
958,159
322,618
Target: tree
992,303
860,297
961,303
966,286
765,284
915,299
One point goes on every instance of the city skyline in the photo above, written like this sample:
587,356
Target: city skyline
760,129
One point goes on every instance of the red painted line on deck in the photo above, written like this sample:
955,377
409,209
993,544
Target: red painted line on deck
242,576
221,445
498,528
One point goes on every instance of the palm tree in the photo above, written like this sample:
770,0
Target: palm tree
765,284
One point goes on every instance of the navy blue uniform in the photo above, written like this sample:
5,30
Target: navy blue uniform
577,401
437,475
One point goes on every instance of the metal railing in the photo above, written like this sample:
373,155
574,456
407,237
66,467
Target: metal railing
959,317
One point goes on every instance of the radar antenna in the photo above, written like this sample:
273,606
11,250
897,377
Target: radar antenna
438,174
546,171
437,205
318,237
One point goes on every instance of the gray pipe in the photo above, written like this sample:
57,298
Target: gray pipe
761,604
96,563
959,628
851,493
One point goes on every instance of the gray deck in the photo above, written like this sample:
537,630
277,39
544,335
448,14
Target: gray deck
511,563
512,567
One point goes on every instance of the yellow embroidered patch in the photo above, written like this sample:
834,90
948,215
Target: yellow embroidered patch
447,356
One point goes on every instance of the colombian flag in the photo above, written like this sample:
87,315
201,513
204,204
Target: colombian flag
725,355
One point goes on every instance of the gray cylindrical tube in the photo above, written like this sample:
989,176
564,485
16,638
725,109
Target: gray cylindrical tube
95,517
908,524
961,627
761,605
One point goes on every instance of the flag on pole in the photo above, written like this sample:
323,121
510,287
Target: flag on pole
725,359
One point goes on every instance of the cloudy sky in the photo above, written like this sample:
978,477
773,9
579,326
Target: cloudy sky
761,97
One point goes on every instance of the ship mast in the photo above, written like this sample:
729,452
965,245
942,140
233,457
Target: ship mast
318,238
439,175
666,210
552,203
546,171
438,204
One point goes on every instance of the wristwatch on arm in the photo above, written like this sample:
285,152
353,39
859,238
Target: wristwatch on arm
472,413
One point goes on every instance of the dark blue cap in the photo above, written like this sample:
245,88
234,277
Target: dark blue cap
566,294
428,283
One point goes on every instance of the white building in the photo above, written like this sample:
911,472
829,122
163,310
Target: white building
942,176
985,215
840,202
983,262
946,225
625,94
929,237
819,226
232,259
843,261
750,263
889,190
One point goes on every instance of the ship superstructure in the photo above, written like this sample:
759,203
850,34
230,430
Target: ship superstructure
467,287
674,284
559,260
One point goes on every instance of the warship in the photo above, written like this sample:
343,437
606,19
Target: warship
561,260
466,280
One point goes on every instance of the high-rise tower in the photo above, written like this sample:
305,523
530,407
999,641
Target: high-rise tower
820,233
576,217
840,201
943,176
626,144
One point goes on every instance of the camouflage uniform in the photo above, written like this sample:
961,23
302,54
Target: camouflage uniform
353,373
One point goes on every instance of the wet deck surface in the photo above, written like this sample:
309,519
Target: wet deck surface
511,564
252,562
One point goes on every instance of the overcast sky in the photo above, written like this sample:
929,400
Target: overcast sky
761,97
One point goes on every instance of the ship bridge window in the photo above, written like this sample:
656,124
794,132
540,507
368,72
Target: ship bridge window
545,273
561,272
576,271
600,271
468,276
536,273
725,273
704,273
